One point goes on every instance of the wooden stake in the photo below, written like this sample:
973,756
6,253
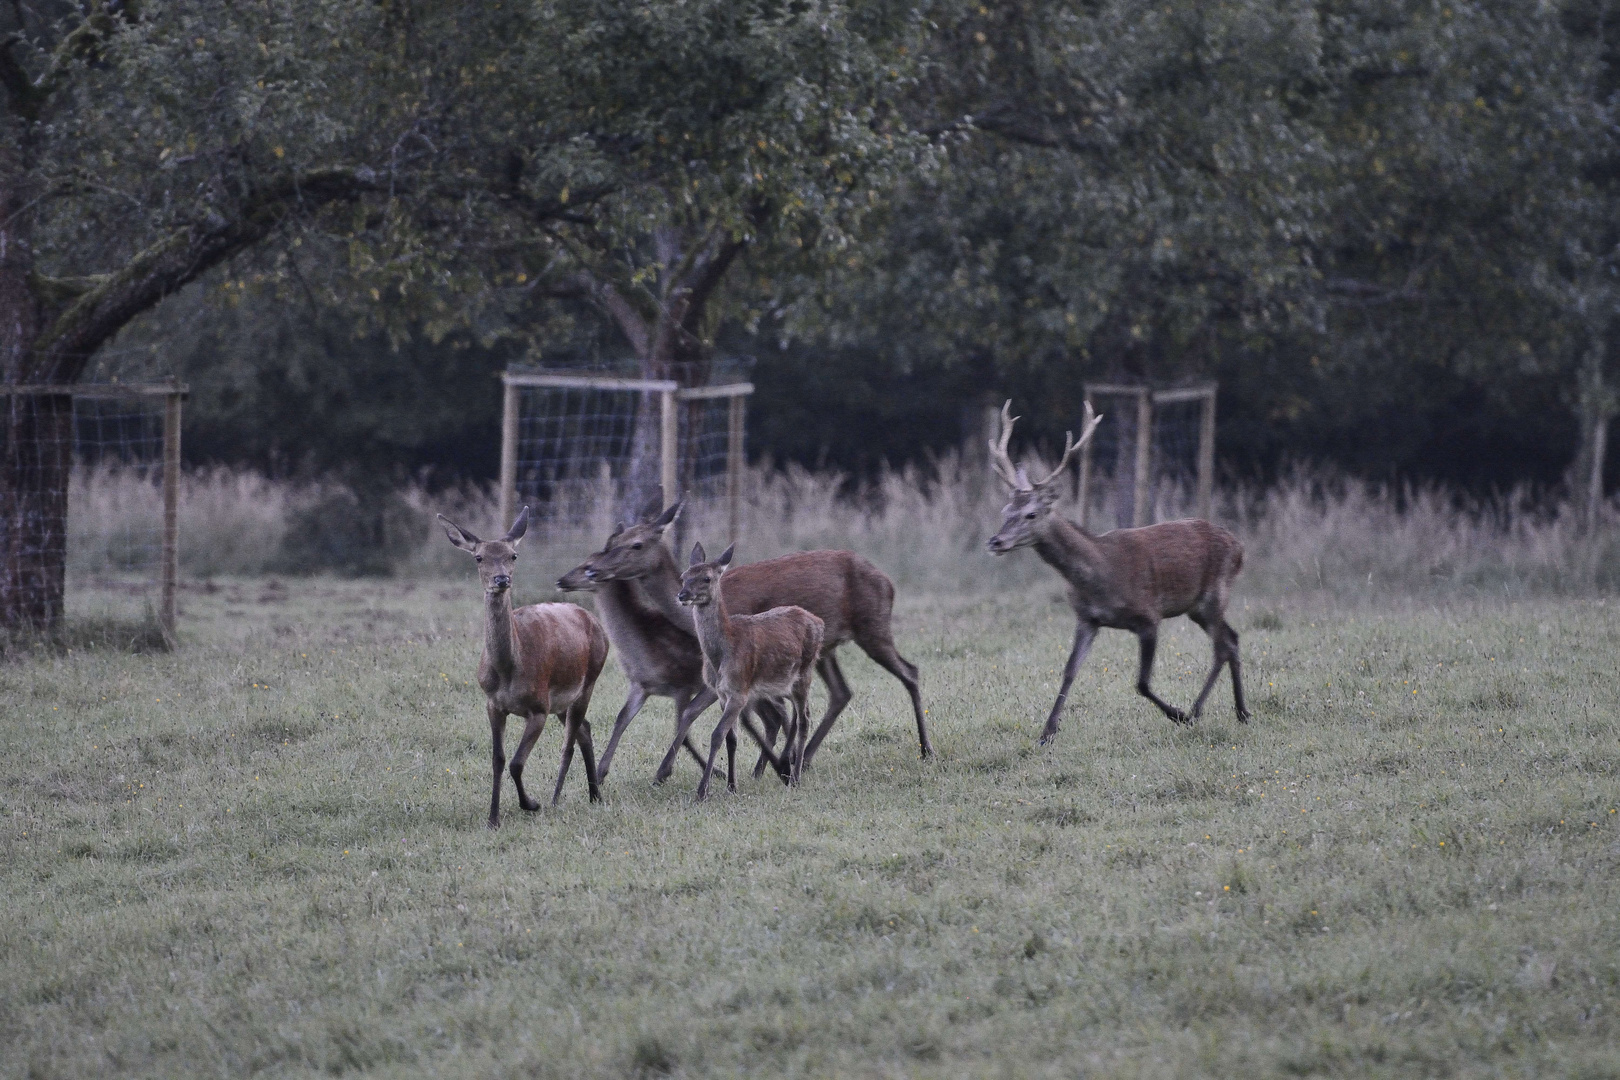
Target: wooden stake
734,462
170,570
1206,458
509,447
669,447
1144,459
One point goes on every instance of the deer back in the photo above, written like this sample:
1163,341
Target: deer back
842,589
1168,569
772,653
561,648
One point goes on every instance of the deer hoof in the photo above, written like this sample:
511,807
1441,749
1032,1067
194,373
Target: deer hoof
1243,716
1178,717
1047,738
492,824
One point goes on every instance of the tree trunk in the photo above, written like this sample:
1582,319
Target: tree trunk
34,462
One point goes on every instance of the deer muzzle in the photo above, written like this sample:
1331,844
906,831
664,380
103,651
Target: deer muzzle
500,582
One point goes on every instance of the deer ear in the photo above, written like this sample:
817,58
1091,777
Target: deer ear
1048,495
725,556
654,504
618,527
460,537
664,520
519,527
697,555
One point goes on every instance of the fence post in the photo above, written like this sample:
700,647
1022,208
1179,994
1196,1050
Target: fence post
1206,458
734,461
669,445
1144,459
509,444
170,570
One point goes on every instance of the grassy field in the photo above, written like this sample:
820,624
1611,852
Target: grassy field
265,854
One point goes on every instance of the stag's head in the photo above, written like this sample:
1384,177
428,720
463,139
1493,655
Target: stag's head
632,551
1032,500
700,584
495,558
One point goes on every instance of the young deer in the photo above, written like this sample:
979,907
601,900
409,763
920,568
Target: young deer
750,658
537,661
853,598
1128,579
660,657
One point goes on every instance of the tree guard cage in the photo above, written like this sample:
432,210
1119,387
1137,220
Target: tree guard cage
574,446
1156,447
91,497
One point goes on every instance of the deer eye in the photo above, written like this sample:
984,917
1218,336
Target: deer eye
478,558
1030,516
636,546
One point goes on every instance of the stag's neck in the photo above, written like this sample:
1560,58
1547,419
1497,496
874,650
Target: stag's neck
1072,552
713,628
500,636
662,584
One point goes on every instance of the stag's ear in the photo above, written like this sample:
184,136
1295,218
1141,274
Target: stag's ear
1047,495
519,527
725,556
697,555
664,520
460,537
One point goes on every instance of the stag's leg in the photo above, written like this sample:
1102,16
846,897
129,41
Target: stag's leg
1084,634
1149,640
497,736
1237,675
728,720
632,706
533,726
888,657
838,696
683,723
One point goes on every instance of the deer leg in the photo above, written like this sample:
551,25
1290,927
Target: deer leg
728,718
891,661
770,715
838,695
570,734
763,739
731,761
587,749
1237,675
1212,627
1084,634
497,735
683,723
535,724
632,706
801,728
1149,640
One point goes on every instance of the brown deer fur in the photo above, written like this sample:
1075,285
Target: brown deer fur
853,598
750,658
537,661
660,658
1128,579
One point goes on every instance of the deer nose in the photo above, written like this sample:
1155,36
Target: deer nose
502,581
683,597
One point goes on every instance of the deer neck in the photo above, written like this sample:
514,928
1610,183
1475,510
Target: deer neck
713,628
1071,551
500,637
662,583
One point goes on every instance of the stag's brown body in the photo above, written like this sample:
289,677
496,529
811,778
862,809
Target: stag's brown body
537,661
853,598
751,659
1128,579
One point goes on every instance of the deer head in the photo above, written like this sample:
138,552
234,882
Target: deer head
700,583
631,551
1032,501
495,558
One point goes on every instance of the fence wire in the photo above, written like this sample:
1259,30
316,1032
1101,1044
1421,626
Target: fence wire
1172,466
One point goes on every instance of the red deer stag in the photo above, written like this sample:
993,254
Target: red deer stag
537,660
1127,579
853,598
751,658
660,657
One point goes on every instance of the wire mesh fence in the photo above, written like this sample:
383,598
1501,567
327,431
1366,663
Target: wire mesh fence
88,527
1152,459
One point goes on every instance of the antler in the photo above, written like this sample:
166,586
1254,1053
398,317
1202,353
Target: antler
1015,477
999,461
1071,445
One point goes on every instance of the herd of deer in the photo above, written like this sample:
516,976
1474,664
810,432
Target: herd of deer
750,636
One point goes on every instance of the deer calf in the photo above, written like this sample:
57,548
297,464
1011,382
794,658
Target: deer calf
749,658
537,661
1127,579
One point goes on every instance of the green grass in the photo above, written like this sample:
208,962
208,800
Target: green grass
265,854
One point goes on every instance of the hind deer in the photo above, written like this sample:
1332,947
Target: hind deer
660,657
853,598
537,661
751,658
1127,579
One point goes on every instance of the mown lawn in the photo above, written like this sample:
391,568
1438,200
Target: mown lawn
265,853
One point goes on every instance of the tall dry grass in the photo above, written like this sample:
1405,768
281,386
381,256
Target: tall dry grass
925,525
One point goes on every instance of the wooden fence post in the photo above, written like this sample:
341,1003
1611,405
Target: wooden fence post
1143,509
509,445
1083,490
669,446
170,570
1206,457
734,460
